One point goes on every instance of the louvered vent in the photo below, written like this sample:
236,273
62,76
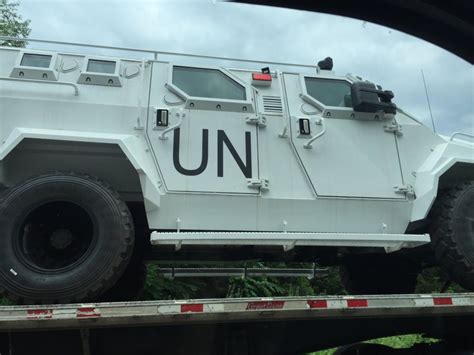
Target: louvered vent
272,104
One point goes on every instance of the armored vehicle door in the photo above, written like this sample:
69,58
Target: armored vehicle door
344,153
198,130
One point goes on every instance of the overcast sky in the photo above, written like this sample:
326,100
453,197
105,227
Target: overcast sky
384,56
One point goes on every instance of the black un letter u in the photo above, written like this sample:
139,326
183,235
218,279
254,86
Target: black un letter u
204,154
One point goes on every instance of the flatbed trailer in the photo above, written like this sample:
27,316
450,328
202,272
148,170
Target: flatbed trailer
288,325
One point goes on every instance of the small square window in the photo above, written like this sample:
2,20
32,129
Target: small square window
101,66
35,60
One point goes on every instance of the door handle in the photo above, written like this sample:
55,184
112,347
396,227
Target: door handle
180,114
320,121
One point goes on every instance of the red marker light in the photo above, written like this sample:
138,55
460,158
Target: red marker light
261,77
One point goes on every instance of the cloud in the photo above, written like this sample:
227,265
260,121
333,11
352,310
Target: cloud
387,57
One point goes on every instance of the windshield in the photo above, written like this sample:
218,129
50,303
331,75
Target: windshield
329,92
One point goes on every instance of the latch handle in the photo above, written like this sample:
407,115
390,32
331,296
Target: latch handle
308,144
262,184
180,115
260,121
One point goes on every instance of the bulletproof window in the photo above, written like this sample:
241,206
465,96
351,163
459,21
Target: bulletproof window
329,92
101,66
35,60
210,83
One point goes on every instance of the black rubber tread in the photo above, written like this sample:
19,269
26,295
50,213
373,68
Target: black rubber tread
379,274
100,279
130,286
454,257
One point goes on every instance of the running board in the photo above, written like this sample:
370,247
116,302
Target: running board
289,240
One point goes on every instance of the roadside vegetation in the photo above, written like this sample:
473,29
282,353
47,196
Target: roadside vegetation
431,280
12,24
396,342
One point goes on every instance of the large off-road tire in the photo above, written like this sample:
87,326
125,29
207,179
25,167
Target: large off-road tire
64,237
130,286
379,274
452,233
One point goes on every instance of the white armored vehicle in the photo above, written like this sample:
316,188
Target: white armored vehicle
107,162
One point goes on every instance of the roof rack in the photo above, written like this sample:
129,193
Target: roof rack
151,51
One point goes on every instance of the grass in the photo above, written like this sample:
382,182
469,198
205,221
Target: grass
397,342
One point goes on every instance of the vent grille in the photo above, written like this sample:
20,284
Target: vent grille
272,104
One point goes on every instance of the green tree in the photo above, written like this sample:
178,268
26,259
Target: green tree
12,24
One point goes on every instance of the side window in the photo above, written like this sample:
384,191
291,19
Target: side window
101,66
210,83
96,71
329,92
36,60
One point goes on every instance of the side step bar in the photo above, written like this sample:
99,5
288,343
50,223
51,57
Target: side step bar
289,240
243,272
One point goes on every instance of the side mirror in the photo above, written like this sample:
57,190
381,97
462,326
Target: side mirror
366,97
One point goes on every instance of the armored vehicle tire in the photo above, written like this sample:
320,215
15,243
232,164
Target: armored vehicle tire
452,233
130,286
379,274
66,237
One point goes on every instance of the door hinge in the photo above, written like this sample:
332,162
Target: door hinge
408,190
260,121
262,184
394,127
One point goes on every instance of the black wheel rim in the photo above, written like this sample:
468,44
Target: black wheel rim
55,236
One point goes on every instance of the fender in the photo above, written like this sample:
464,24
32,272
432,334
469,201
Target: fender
131,145
439,162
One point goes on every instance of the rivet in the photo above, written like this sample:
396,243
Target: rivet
218,107
244,108
328,114
110,81
45,76
21,74
88,79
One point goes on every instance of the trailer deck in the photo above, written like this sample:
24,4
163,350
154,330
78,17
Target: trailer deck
288,325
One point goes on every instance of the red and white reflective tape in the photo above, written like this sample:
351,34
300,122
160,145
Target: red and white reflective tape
334,303
442,301
192,308
338,304
260,305
221,306
39,314
87,312
65,313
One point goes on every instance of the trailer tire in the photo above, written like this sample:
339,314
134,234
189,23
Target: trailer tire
452,233
66,237
379,274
